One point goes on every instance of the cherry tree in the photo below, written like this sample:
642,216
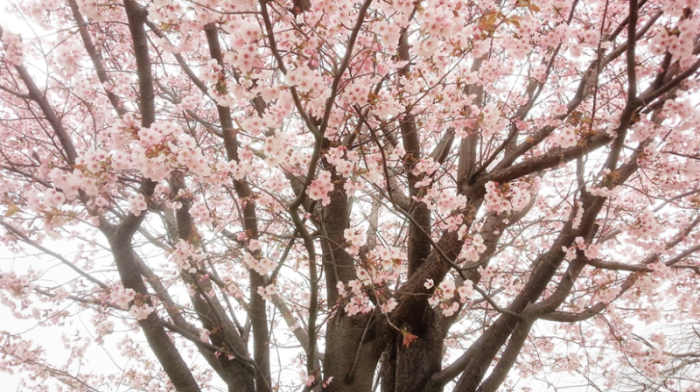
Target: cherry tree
682,346
403,195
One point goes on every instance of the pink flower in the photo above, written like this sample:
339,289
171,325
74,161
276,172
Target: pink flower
327,382
137,203
592,251
320,187
121,297
389,305
447,289
253,245
267,292
140,312
465,291
448,311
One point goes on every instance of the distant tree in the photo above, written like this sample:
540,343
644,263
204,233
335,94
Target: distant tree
404,195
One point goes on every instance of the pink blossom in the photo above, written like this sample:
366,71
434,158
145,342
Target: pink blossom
389,305
140,312
320,187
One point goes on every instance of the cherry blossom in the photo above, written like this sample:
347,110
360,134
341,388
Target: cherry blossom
478,196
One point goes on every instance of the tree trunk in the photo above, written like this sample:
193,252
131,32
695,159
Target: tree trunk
408,369
352,352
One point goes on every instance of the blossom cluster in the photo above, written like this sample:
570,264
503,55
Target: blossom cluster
12,43
445,292
566,137
383,267
261,265
358,302
492,120
158,149
386,272
388,257
355,239
267,292
389,305
343,166
140,312
245,52
200,213
104,327
472,247
680,45
591,251
444,200
121,297
320,187
274,149
305,79
602,191
237,170
186,255
212,73
47,201
137,203
71,182
16,283
507,197
646,225
425,166
23,351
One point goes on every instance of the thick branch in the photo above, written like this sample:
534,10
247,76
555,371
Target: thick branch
257,308
509,357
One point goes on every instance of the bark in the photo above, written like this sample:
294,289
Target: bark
257,312
120,238
467,147
235,366
338,265
352,352
419,227
409,368
164,349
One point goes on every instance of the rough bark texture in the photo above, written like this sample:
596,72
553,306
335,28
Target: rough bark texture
352,353
409,368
